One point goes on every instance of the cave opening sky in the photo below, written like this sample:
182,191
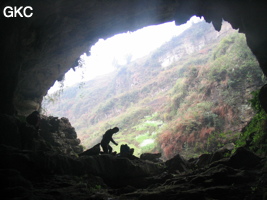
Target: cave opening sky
117,49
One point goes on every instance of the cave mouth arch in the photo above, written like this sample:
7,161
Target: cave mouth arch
39,42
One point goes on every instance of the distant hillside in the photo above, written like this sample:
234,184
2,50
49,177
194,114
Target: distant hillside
189,96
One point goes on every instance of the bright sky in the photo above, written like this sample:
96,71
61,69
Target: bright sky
138,44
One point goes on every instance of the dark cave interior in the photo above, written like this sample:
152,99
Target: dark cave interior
39,50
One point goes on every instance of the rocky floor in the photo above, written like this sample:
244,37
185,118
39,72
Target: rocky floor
217,181
48,174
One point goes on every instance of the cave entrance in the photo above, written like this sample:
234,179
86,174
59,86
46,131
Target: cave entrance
115,52
175,97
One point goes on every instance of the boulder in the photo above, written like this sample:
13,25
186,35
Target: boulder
206,159
60,135
243,158
95,150
154,157
203,160
115,168
177,164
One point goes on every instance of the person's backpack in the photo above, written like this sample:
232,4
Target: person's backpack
124,150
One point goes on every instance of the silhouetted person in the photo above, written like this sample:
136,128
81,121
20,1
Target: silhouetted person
107,137
34,119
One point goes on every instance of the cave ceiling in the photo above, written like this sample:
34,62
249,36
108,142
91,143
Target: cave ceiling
38,50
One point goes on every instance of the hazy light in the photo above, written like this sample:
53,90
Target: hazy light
147,142
119,47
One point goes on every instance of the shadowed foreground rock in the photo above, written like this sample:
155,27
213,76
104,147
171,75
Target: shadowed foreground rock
44,170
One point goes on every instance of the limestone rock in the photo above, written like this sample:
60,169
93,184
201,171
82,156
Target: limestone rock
263,97
177,164
60,135
243,158
154,157
95,150
116,168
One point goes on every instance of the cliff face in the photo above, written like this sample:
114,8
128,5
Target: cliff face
175,99
40,49
137,77
189,46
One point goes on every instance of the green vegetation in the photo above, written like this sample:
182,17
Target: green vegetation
218,140
195,104
255,134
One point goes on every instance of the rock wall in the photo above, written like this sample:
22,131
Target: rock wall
55,135
37,51
60,135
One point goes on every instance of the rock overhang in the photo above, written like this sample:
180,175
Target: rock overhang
40,49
